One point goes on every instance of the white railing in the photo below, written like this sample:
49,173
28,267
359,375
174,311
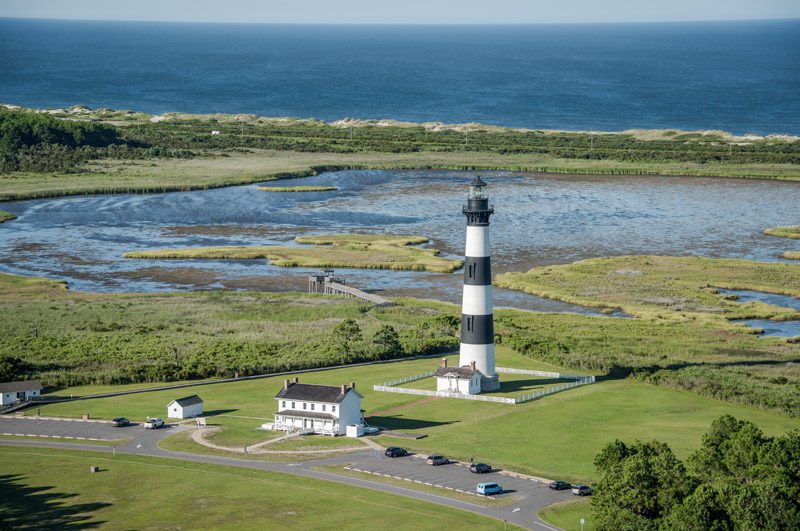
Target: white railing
408,379
389,387
584,380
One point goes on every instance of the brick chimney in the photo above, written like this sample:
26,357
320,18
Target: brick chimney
472,366
295,379
352,385
344,388
444,363
286,384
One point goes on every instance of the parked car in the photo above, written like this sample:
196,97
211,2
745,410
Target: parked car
560,485
437,460
479,468
153,423
489,488
119,422
395,451
582,490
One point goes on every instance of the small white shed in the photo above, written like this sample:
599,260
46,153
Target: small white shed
184,408
11,392
464,380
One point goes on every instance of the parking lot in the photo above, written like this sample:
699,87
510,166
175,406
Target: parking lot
454,476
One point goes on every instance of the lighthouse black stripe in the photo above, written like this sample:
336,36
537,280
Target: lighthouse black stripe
477,271
477,329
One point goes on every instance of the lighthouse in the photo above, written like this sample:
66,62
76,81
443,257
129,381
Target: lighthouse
477,322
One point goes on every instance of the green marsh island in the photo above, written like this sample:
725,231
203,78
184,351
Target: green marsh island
297,188
368,251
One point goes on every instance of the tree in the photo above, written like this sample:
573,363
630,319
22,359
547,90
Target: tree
344,335
638,485
387,339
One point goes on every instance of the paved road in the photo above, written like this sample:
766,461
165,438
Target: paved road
534,495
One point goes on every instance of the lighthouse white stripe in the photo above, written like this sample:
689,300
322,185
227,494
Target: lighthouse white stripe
477,241
483,355
477,300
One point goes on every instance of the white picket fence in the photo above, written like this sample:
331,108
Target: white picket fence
389,387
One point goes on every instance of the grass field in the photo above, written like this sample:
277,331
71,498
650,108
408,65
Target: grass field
554,437
53,489
567,515
163,175
365,251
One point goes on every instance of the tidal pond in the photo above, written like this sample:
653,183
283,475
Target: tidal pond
539,220
770,327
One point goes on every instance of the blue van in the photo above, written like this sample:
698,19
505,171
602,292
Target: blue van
489,488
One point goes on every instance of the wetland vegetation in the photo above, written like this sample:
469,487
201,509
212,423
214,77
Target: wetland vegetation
297,188
43,155
366,251
6,216
784,232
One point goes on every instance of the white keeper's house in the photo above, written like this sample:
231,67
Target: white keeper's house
322,409
186,407
464,380
12,392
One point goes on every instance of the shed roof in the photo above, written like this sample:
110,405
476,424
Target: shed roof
466,372
187,401
331,394
22,385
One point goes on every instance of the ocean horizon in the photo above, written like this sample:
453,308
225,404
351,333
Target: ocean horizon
739,76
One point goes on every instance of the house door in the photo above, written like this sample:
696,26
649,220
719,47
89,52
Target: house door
306,423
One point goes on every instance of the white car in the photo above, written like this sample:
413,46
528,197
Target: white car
153,423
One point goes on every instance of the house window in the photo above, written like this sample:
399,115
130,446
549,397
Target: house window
312,407
304,405
284,404
333,408
323,407
292,405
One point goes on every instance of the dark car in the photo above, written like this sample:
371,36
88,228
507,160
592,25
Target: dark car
119,422
479,468
395,451
437,460
560,485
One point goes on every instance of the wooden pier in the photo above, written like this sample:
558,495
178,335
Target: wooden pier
328,284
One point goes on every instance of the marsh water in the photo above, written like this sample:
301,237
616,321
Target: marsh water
769,327
539,220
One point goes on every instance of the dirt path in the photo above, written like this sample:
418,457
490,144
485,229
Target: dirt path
197,436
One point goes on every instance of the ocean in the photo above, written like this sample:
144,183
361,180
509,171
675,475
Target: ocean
742,77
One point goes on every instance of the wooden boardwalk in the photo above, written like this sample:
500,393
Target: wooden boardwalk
330,285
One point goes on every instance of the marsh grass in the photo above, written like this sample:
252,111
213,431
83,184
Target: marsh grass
663,286
6,216
364,251
218,169
784,232
792,255
297,188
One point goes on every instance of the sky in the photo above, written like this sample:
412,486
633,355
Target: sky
403,11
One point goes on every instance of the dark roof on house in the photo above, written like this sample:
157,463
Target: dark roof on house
188,401
23,385
306,414
315,393
464,372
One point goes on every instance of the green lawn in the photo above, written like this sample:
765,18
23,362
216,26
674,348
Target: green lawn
553,437
53,489
567,515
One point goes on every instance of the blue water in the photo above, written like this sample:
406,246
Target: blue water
736,76
769,327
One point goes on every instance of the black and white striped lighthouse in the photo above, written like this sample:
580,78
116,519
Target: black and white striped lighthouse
477,322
